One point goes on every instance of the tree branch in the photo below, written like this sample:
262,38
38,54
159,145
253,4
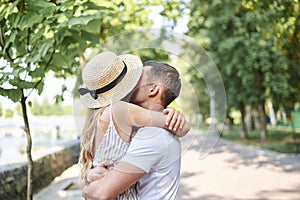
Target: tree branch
28,50
47,65
28,39
1,38
2,43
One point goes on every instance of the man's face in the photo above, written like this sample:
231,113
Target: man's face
141,89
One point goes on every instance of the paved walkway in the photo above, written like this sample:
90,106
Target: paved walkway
213,168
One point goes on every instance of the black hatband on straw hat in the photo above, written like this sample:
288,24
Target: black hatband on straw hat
94,93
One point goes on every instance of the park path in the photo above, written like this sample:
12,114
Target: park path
226,171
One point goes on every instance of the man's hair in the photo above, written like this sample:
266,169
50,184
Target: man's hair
168,77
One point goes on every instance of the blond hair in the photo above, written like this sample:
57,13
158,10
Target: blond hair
86,154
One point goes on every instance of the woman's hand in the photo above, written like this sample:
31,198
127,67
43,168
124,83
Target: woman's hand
176,122
175,119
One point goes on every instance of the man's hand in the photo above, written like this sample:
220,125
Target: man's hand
99,171
113,182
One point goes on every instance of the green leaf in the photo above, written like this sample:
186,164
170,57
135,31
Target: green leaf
81,20
46,47
21,84
13,94
15,18
92,5
40,87
61,33
29,19
59,62
47,11
93,26
36,58
38,35
66,5
41,4
10,40
86,36
38,72
6,9
30,103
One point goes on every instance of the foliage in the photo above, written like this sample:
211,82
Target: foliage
38,36
172,11
152,54
46,109
246,41
288,29
243,48
278,140
196,80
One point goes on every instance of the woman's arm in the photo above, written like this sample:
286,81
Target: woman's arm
133,115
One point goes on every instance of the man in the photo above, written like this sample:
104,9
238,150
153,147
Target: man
153,157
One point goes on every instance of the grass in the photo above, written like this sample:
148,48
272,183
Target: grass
278,138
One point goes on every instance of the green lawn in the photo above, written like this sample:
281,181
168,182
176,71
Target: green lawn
278,138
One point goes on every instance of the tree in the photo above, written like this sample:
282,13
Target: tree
243,42
288,28
39,36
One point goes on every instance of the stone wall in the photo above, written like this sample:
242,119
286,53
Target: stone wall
13,178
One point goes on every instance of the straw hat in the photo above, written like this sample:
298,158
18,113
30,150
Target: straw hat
108,78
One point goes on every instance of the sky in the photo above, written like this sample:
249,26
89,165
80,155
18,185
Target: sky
53,85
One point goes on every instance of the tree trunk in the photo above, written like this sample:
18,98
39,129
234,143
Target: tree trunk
248,117
272,116
28,149
263,121
243,132
255,118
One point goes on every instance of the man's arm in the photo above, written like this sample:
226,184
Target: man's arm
113,182
143,152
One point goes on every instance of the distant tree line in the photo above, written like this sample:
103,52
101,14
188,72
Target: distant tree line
45,108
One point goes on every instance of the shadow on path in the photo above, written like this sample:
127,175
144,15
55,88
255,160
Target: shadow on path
214,168
241,155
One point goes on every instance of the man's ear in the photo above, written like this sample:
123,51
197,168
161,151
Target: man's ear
153,90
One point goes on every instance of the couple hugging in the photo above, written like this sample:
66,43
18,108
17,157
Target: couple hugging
129,143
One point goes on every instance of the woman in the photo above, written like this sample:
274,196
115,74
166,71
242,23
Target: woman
108,78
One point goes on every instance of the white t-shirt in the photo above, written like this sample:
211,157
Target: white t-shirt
157,152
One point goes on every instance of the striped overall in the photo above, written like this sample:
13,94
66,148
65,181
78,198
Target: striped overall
113,147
